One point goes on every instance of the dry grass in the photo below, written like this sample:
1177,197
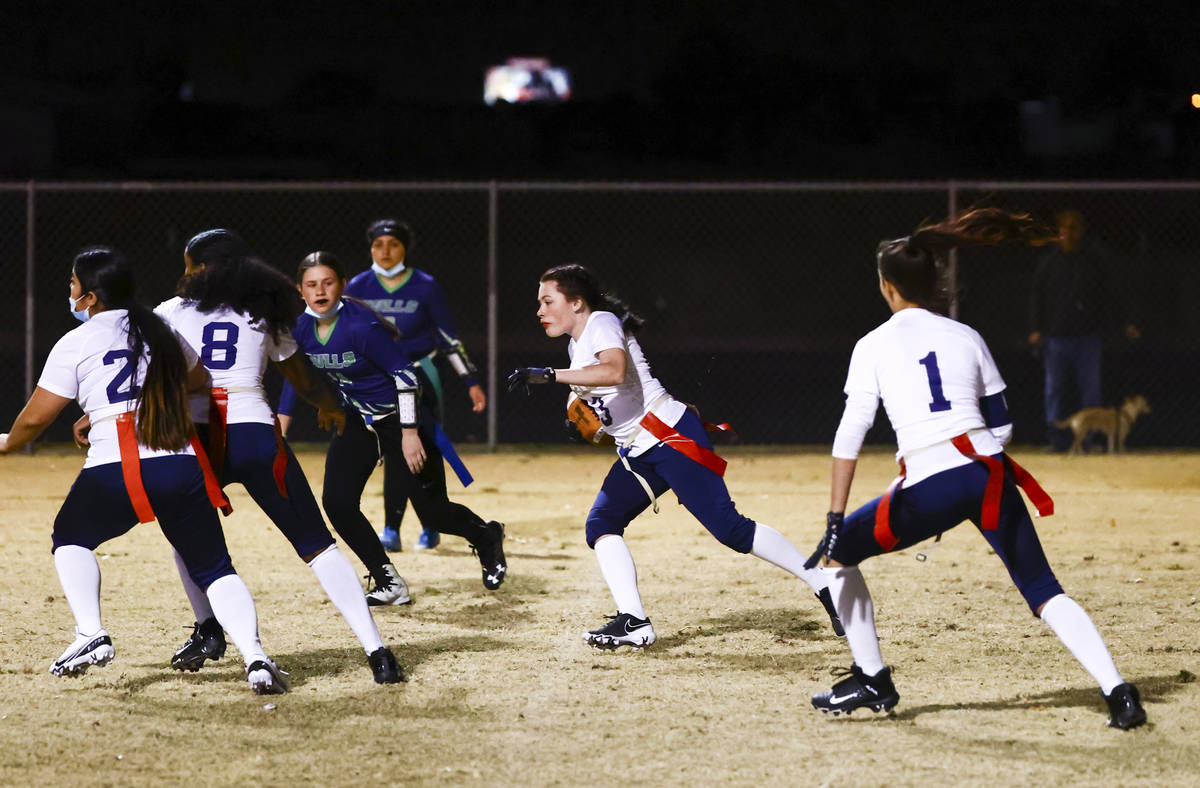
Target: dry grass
502,691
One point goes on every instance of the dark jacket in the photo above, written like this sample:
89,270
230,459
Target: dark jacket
1072,294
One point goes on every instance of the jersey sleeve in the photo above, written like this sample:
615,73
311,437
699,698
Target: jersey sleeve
287,399
380,346
989,373
605,334
281,348
59,375
862,403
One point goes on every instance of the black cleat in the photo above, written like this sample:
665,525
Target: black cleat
491,556
857,690
207,642
834,619
622,629
383,665
1125,707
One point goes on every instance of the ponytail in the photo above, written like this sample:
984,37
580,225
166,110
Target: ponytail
577,281
162,412
916,264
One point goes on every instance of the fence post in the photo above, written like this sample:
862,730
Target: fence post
493,318
952,258
29,290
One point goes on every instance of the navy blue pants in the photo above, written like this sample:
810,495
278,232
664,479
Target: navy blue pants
249,460
941,502
701,491
98,509
1070,362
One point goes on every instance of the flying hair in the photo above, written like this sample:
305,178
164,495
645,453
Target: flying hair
577,281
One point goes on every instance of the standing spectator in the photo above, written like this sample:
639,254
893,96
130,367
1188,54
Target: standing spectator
1072,304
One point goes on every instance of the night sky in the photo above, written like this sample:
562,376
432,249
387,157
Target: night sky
693,90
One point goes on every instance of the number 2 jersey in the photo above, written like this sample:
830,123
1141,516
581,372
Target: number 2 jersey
931,373
621,408
235,350
93,365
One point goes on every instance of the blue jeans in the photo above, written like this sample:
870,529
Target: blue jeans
1071,361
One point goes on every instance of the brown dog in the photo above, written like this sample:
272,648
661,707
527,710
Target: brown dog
1115,423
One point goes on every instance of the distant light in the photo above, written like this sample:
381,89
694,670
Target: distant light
526,79
1196,100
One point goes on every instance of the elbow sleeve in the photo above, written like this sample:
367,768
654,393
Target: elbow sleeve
407,396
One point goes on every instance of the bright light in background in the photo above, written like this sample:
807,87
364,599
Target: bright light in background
524,79
1196,100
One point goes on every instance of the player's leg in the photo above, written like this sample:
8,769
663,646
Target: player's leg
620,500
427,491
96,509
432,408
1016,543
395,502
175,487
349,463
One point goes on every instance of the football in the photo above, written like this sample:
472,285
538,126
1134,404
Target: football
587,422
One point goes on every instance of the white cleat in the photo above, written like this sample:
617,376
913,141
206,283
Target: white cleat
87,650
266,678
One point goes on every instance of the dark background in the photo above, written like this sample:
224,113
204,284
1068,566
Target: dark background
761,293
681,90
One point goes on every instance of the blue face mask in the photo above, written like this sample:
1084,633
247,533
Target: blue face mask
82,315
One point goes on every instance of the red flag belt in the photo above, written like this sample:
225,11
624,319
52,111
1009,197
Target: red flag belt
218,416
989,518
685,445
131,470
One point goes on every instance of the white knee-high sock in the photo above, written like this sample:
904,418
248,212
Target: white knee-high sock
234,609
1075,629
774,547
79,575
197,598
616,564
857,611
340,582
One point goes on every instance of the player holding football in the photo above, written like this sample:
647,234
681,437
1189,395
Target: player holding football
128,373
945,399
661,446
416,305
386,416
235,312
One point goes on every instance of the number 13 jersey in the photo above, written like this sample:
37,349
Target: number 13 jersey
235,350
622,407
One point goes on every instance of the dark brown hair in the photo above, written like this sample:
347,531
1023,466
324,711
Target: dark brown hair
916,264
328,260
577,281
163,422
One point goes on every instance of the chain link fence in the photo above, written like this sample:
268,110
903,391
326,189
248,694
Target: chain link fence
754,294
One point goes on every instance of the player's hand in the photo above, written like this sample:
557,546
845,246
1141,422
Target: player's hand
332,420
478,398
80,430
414,450
834,522
571,430
524,376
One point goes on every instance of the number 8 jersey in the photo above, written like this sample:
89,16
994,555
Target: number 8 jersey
235,350
931,373
92,364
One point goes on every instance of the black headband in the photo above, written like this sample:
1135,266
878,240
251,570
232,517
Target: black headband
398,230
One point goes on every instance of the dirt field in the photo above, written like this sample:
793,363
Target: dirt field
503,692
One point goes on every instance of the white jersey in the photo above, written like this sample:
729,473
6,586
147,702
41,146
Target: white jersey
235,350
621,408
930,371
92,364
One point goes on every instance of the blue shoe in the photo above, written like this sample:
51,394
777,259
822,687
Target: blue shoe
390,539
428,540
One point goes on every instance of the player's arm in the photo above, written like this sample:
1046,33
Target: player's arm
314,388
39,413
610,370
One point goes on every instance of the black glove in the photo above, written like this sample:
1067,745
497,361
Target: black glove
833,526
572,432
523,376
